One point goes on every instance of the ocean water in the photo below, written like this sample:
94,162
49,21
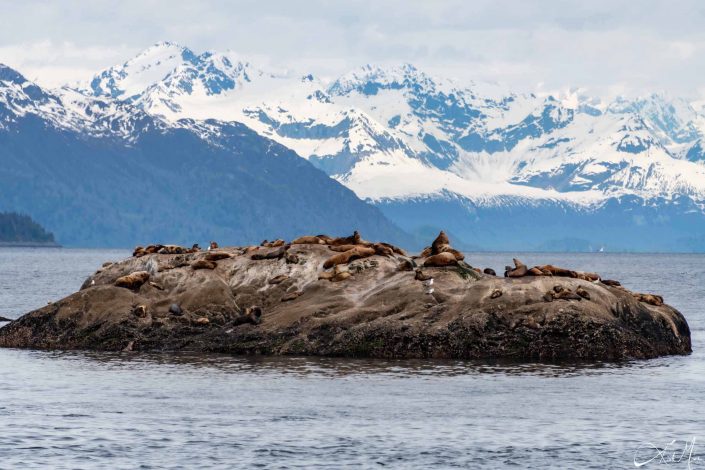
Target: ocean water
124,410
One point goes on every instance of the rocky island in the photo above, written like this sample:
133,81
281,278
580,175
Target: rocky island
345,296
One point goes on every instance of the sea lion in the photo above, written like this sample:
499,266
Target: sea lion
611,283
441,259
292,258
582,293
213,246
520,269
566,295
291,296
395,249
351,240
347,256
383,250
195,248
325,238
172,250
308,240
489,272
133,280
252,315
592,277
447,249
341,248
440,241
274,254
420,276
278,279
426,252
560,272
217,255
340,276
534,272
276,243
140,311
651,299
175,309
204,264
406,265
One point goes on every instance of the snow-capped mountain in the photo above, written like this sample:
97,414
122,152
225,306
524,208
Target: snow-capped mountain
100,171
437,152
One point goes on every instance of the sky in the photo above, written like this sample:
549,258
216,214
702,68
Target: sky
604,48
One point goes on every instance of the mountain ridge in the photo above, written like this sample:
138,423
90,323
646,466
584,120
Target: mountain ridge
397,136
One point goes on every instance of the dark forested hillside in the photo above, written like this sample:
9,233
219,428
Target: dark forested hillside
20,228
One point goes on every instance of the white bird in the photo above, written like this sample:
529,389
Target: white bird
428,283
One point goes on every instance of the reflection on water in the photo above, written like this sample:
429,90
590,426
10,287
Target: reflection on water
124,410
340,367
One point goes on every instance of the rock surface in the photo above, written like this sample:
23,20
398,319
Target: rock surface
280,300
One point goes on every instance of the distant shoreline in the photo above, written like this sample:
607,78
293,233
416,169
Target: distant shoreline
29,245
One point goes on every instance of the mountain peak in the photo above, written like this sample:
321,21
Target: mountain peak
8,74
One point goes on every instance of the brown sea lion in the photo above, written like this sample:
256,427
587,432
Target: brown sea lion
426,252
441,259
291,296
204,264
325,238
534,272
274,254
278,279
217,255
566,295
292,258
582,293
354,239
308,240
341,248
252,315
651,299
447,249
195,248
611,283
519,270
395,249
213,245
420,276
592,277
340,276
133,280
383,250
440,241
406,265
138,251
140,311
560,272
347,256
276,243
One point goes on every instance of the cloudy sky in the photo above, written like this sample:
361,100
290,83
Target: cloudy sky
606,47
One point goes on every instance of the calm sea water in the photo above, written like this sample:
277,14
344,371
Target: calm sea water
120,410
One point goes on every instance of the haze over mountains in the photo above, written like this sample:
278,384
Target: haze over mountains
497,168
